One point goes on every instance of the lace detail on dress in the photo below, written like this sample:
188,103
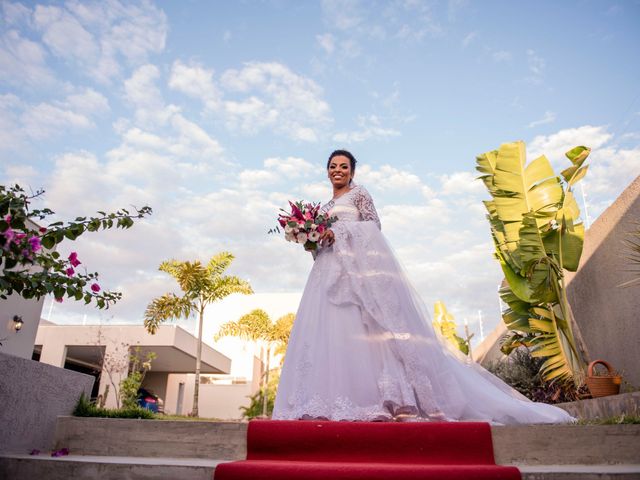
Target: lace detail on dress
364,202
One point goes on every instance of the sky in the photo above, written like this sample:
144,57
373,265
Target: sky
216,114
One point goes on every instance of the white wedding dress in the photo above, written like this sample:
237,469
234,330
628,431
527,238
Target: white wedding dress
363,348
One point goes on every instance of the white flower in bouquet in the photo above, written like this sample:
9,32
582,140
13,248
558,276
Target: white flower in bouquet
314,236
290,237
302,237
288,229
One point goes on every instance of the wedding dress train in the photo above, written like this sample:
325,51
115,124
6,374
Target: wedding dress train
362,346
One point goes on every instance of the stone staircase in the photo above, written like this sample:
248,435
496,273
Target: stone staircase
189,450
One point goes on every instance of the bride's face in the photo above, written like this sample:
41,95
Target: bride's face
340,171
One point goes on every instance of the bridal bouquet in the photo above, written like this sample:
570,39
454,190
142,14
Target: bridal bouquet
304,224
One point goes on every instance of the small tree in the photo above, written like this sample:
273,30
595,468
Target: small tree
201,285
138,369
257,327
24,245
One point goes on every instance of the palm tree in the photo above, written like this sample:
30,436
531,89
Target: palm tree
201,285
256,326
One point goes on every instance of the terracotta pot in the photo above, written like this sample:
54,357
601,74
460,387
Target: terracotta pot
603,385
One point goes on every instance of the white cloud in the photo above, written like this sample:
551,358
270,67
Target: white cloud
387,178
72,114
369,127
16,13
326,42
98,36
536,65
460,183
63,33
469,38
44,120
87,101
142,92
196,81
556,145
342,14
549,117
611,167
23,62
290,104
501,56
276,170
196,140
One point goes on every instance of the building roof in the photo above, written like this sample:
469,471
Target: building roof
175,348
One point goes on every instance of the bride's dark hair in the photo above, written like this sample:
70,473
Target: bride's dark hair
343,153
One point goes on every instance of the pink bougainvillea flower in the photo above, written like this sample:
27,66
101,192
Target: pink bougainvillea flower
7,218
20,237
73,259
70,271
35,243
59,299
60,453
95,287
9,234
42,230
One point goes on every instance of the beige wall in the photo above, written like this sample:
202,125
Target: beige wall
175,349
609,316
216,401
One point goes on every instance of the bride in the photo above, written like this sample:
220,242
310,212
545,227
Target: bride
362,346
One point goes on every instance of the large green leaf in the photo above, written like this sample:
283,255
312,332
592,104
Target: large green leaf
535,225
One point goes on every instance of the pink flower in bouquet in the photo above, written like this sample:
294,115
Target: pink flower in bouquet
304,224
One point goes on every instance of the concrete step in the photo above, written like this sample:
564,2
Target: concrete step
80,467
566,444
25,467
513,445
151,438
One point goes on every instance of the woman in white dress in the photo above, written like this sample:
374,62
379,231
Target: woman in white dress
362,346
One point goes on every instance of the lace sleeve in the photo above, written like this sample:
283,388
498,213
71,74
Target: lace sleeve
365,205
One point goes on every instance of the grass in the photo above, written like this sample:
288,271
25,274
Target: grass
187,418
623,419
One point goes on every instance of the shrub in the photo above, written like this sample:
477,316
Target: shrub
521,371
84,408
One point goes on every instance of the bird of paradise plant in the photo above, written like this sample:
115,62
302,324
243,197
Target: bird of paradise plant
537,231
444,323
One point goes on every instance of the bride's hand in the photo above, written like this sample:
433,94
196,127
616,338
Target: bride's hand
327,238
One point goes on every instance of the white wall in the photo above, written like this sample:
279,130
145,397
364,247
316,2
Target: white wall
19,343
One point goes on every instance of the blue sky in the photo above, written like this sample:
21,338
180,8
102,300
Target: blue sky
217,113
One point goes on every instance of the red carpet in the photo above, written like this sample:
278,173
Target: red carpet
290,450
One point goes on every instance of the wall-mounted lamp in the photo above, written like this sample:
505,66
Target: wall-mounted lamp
17,323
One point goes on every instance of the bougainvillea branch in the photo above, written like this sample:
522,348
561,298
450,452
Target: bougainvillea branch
30,265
